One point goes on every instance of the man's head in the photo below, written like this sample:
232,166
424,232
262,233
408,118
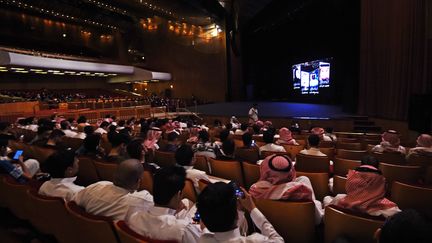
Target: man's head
168,184
370,160
56,135
224,134
184,155
64,125
406,226
104,125
119,139
135,149
128,174
91,142
203,135
228,147
62,164
217,205
172,137
268,136
3,146
247,139
313,140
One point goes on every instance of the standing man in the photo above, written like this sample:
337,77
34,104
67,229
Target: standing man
253,114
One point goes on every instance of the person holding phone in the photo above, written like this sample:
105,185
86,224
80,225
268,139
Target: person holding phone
16,167
217,205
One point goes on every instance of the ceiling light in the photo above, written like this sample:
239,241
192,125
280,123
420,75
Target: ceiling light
19,69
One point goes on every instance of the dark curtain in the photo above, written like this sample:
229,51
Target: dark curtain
393,56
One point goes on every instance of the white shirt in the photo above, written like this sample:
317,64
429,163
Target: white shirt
385,147
69,133
105,199
313,151
80,135
268,233
195,175
253,114
100,130
271,147
239,132
60,187
163,224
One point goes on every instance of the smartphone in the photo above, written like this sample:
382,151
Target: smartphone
253,143
196,218
238,192
18,153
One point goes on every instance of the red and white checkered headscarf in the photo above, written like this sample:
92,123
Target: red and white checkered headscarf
318,131
424,140
285,134
365,191
392,137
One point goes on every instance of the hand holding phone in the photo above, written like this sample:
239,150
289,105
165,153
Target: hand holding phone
237,190
18,153
197,218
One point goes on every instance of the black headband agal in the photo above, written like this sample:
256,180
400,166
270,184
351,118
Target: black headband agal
287,169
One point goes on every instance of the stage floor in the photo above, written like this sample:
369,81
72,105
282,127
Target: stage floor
273,109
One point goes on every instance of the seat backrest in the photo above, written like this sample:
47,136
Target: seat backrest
189,191
339,183
417,159
310,163
293,150
230,170
105,170
319,183
285,216
17,198
40,153
127,235
390,157
87,173
202,184
410,196
73,143
90,228
402,173
202,163
349,146
351,154
147,181
327,144
265,154
238,143
355,228
251,173
51,217
247,154
165,159
341,166
330,152
428,177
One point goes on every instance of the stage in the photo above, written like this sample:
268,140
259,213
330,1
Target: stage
273,109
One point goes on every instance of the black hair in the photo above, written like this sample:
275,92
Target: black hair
167,182
203,135
56,133
57,163
247,139
88,130
406,226
81,119
217,205
224,134
313,140
64,124
118,138
268,136
370,160
135,149
91,142
4,125
244,126
184,155
104,124
172,136
228,147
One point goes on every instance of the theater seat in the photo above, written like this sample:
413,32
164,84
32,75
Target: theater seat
127,235
411,196
251,173
189,191
319,183
356,228
309,163
230,170
164,159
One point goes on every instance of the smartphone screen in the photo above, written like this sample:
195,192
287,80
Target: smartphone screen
18,153
196,218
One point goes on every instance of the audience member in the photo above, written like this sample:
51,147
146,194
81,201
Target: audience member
153,136
313,141
423,147
365,189
136,150
170,218
268,137
117,153
172,144
66,128
114,199
185,157
321,134
63,168
103,127
390,143
204,146
226,152
285,137
278,181
217,205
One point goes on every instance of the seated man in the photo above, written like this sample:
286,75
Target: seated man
114,199
423,147
168,219
172,144
217,205
204,146
278,181
285,137
321,134
63,167
365,189
19,169
390,143
268,137
103,128
226,152
313,141
185,157
117,153
66,128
